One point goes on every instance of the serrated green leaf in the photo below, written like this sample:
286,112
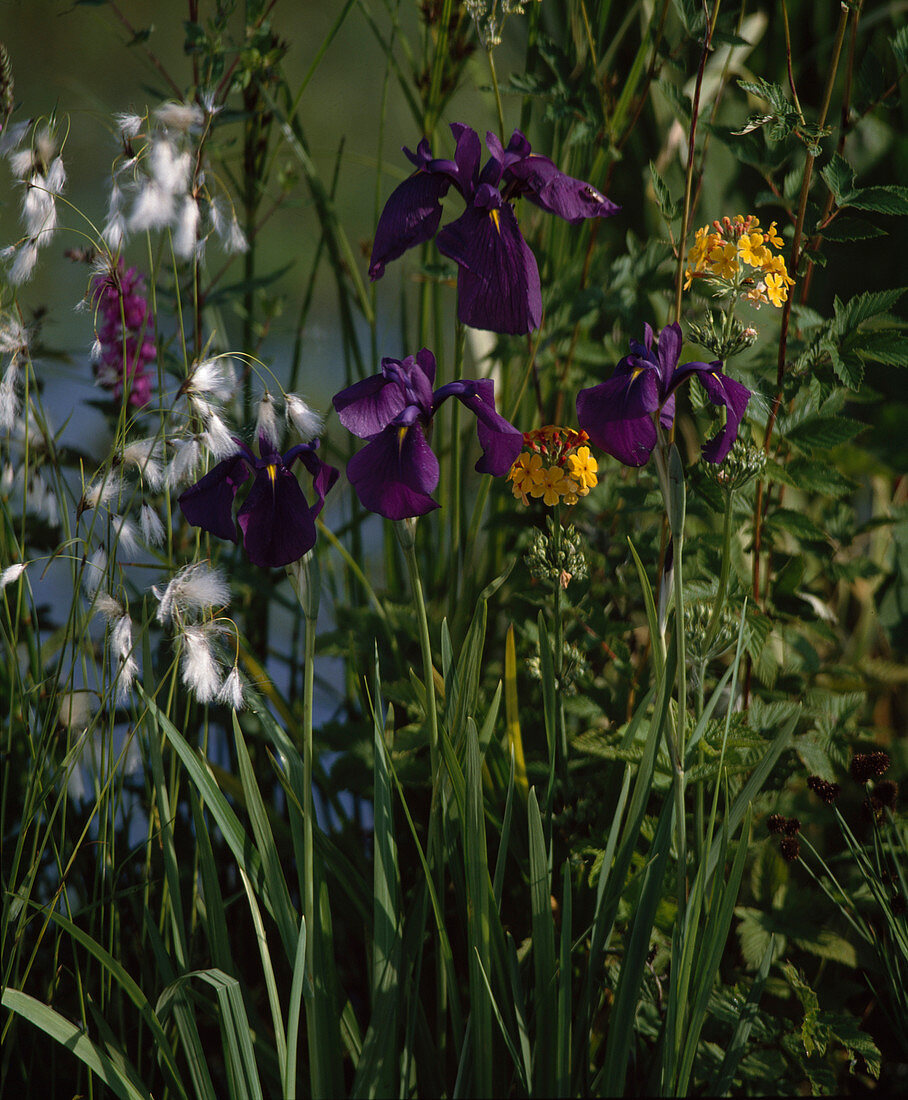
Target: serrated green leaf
797,524
821,433
885,199
774,94
852,229
849,369
890,348
667,205
839,177
849,315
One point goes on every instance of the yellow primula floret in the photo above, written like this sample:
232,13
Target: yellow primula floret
752,250
776,289
723,261
772,236
583,468
722,249
557,467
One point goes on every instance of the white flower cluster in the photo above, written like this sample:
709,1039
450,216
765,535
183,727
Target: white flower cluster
39,170
162,183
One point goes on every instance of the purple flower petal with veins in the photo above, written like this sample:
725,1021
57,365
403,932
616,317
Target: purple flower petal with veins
498,278
275,519
396,473
619,415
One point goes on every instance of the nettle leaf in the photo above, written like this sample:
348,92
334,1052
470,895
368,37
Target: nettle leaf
890,348
821,433
885,199
667,205
851,229
846,1029
839,176
797,524
774,94
812,477
862,307
849,368
691,15
678,101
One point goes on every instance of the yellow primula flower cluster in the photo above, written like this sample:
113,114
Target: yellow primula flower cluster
738,252
556,466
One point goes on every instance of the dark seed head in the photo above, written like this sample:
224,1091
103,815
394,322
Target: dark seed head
824,790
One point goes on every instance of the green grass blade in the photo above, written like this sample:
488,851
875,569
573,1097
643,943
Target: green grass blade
274,1002
710,955
478,932
544,1001
74,1039
376,1072
624,1010
130,987
735,1050
565,989
297,983
275,883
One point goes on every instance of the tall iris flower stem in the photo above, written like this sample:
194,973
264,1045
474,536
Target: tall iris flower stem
670,471
304,577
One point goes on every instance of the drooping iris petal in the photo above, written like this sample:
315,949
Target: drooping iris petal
615,416
547,186
722,390
410,217
395,474
209,503
501,442
498,280
323,475
277,525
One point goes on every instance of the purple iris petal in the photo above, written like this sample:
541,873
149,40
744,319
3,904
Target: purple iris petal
501,442
617,415
547,186
277,525
722,390
276,522
209,503
410,216
368,406
395,474
498,280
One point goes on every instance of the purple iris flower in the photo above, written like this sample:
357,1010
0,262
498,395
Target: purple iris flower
497,277
397,471
620,415
276,522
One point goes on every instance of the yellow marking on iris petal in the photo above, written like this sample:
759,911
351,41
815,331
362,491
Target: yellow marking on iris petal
636,373
493,214
401,436
272,472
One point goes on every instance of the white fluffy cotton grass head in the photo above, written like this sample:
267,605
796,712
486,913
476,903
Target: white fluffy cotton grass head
195,590
199,667
304,420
